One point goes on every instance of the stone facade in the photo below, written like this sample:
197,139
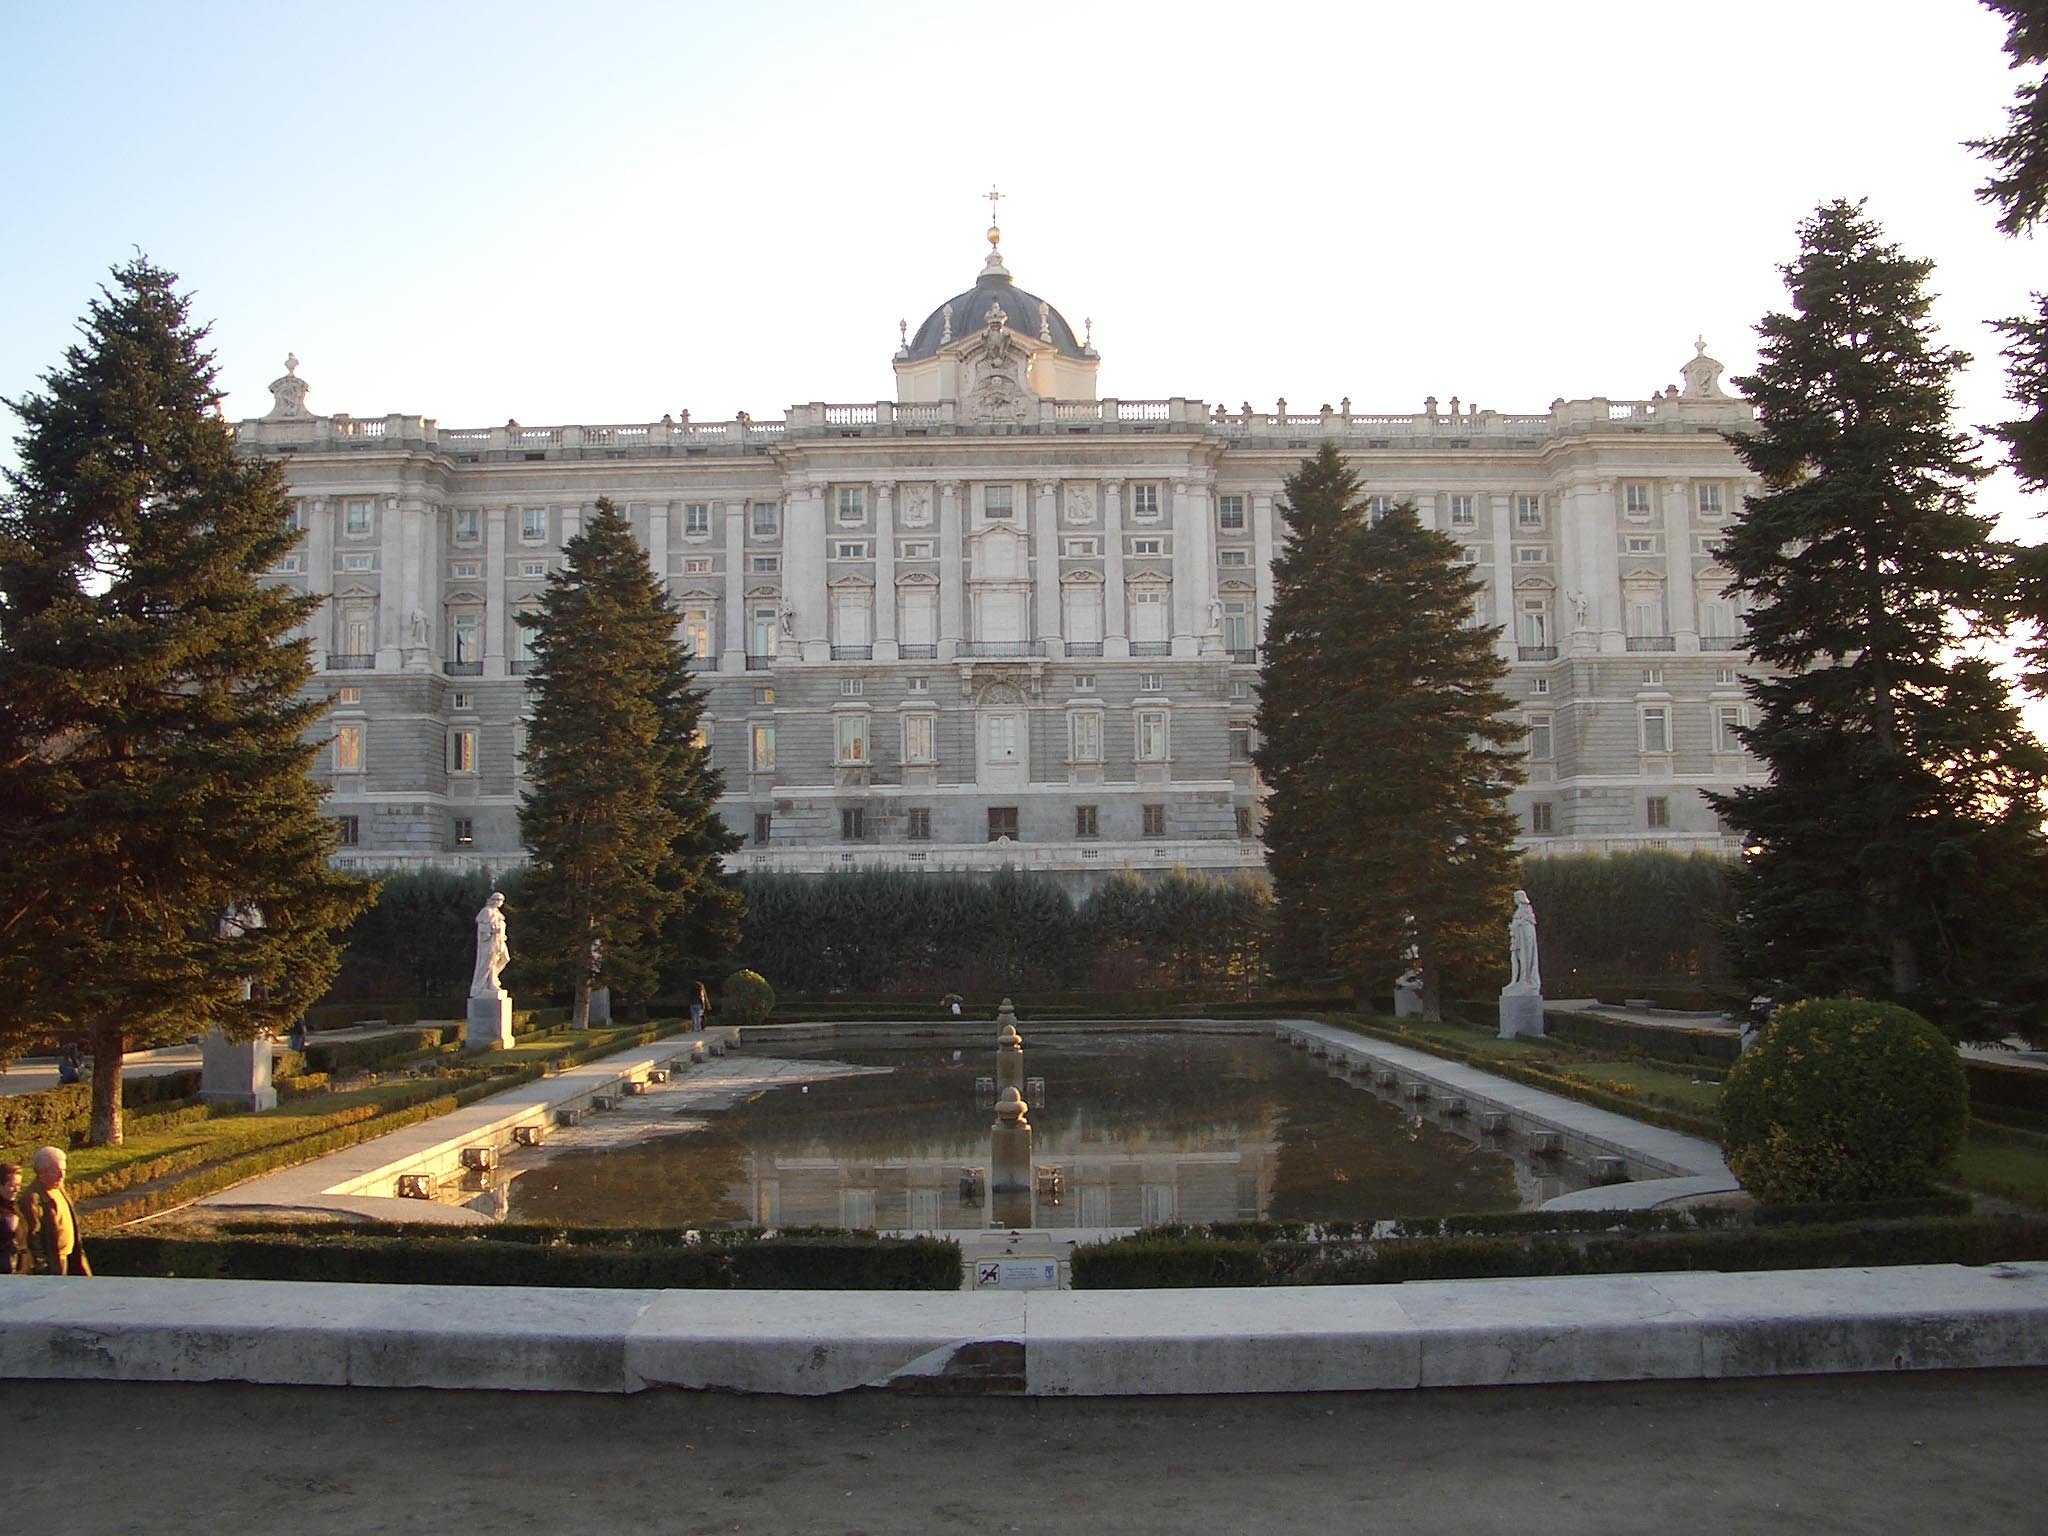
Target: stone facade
1001,620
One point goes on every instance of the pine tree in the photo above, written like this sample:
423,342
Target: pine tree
155,729
1896,852
620,805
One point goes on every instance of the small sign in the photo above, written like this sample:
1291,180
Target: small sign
1017,1275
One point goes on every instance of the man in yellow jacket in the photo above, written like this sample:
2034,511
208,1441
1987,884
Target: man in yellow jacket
49,1223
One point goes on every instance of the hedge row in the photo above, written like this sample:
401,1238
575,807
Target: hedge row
345,1058
803,1262
1155,1259
1996,1087
52,1116
1689,1048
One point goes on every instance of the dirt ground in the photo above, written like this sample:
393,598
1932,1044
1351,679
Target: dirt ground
1848,1454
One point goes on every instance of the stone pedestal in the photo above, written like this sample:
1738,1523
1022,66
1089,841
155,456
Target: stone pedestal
1407,1000
490,1023
1009,1163
600,1005
1521,1014
236,1072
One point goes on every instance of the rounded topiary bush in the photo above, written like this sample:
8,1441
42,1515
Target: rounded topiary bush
745,998
1844,1100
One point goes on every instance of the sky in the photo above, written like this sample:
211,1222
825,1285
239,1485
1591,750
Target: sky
605,212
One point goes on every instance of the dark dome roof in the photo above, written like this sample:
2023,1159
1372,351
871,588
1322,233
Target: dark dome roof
970,314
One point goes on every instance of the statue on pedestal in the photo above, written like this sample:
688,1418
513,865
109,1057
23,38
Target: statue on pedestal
492,954
1523,975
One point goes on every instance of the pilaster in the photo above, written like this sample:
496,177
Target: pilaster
1045,559
1116,635
884,497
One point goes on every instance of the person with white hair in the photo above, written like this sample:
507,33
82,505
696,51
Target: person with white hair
50,1222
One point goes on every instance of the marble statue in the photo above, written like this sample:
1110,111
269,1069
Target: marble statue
492,955
1523,975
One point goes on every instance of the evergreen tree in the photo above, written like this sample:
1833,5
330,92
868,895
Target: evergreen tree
155,731
620,804
1896,852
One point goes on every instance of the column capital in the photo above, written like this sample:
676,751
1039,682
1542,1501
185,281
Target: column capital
882,487
1046,487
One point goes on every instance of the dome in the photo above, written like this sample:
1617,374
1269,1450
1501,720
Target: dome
971,312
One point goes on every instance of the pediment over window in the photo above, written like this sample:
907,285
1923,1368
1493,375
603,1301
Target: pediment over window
1235,585
774,593
851,579
357,591
1534,584
1154,579
917,579
1081,578
697,595
462,597
1641,574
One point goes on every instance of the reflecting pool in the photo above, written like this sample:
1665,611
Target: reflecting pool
1131,1130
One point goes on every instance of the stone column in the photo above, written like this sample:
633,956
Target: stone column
420,594
319,553
1264,538
1592,512
733,658
952,572
1503,510
391,609
885,570
497,621
803,568
658,515
1116,638
1681,592
1046,561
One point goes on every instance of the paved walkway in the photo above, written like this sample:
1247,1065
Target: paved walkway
33,1074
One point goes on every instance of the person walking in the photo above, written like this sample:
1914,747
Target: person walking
13,1245
700,1004
49,1221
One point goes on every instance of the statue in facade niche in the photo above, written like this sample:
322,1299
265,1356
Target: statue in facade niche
492,953
1523,975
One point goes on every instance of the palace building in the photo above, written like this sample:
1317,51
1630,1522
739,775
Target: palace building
1002,620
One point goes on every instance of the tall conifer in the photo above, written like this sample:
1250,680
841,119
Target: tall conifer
1896,852
620,809
155,731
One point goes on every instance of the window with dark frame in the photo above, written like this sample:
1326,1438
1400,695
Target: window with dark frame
1002,822
1155,820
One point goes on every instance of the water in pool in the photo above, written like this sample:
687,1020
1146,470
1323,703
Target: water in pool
1141,1129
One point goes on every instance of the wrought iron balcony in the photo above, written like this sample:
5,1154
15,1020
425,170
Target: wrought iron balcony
349,661
462,669
759,663
521,665
987,649
917,652
1151,647
1723,643
1535,653
853,653
1084,647
1652,643
1244,657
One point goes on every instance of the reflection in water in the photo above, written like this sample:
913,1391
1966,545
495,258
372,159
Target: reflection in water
1141,1130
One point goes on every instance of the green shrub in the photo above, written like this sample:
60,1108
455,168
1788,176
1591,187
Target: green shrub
746,998
343,1058
1169,1258
1844,1100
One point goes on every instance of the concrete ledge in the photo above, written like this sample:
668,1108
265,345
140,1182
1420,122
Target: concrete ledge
1050,1344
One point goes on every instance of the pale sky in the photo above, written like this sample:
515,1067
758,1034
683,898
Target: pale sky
603,212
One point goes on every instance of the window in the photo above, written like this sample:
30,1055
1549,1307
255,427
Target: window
1531,554
916,549
851,687
1539,685
853,504
1243,815
462,750
1727,728
1083,604
1237,627
853,738
1709,500
1712,547
997,501
1001,733
1002,822
465,632
764,827
853,824
1462,515
920,685
917,824
1086,823
355,519
764,695
1084,682
1153,736
1656,728
697,632
1233,557
1377,507
348,695
1469,555
1240,741
1240,688
1081,549
1542,818
1540,750
1653,677
533,570
465,570
289,564
358,562
295,518
850,549
697,565
917,739
1145,502
1154,820
1084,736
1641,544
348,749
764,630
1528,511
1725,677
533,524
696,519
465,831
1535,622
1148,615
1148,546
463,701
1230,513
764,748
1151,682
764,519
1635,499
349,830
766,565
465,525
1657,811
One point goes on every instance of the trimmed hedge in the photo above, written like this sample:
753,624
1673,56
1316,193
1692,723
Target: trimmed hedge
1167,1259
739,1261
345,1058
1681,1047
1996,1087
53,1116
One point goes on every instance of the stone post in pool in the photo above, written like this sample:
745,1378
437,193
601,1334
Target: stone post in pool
490,1005
1009,1054
1521,1000
1009,1162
